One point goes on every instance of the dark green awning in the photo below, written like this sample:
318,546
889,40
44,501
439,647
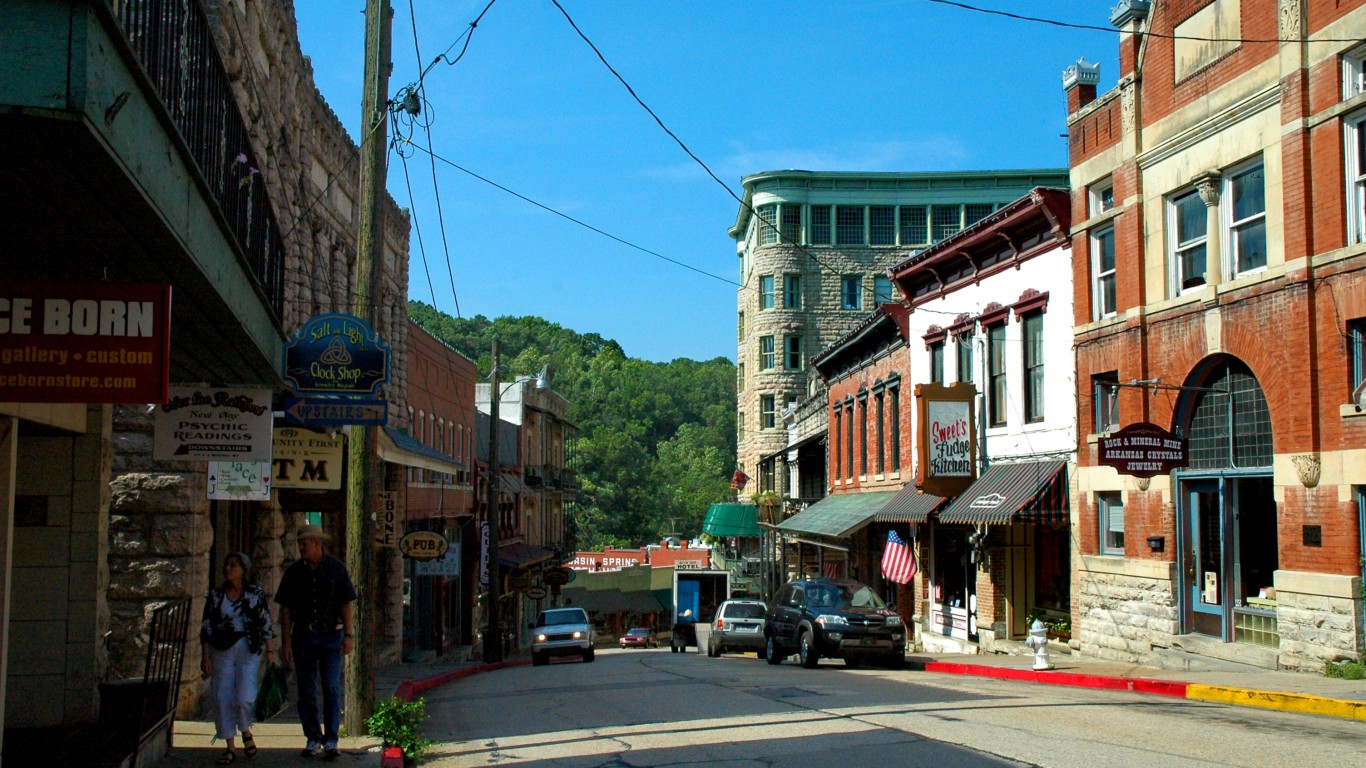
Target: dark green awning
837,516
731,520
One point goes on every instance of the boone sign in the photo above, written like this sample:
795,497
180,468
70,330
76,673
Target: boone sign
423,545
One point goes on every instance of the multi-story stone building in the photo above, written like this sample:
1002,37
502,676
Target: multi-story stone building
814,249
1219,192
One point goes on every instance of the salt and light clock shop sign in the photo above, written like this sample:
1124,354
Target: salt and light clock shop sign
84,342
1142,450
336,354
213,424
947,444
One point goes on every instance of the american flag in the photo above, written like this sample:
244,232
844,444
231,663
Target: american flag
898,561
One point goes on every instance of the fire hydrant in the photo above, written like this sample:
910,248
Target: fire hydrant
1038,642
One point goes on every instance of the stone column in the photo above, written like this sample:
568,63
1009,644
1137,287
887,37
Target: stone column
1208,184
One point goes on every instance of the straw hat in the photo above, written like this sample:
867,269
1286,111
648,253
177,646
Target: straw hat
312,532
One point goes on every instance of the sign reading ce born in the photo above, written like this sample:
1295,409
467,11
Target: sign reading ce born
336,354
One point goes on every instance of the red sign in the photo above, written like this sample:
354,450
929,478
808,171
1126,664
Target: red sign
1142,450
84,342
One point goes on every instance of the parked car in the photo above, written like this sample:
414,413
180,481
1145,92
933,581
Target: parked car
561,632
833,618
738,626
639,637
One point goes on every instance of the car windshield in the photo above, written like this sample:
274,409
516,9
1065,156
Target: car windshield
843,596
639,632
745,611
574,616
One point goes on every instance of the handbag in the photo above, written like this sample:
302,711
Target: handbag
274,692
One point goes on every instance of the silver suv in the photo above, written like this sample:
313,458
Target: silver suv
561,632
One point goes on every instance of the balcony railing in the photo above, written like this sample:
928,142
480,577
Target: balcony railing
173,42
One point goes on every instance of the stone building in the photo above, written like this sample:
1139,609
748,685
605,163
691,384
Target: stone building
1218,220
814,248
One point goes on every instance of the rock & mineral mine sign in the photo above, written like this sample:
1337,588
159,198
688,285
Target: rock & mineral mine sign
1142,450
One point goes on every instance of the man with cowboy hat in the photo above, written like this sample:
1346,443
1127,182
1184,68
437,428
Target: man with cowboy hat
315,597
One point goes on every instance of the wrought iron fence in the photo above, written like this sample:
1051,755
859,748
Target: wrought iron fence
174,44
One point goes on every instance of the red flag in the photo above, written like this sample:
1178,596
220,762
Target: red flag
898,560
738,480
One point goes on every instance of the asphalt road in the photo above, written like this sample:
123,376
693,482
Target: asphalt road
655,708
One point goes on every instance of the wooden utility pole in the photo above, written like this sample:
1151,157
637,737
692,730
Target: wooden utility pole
493,637
365,472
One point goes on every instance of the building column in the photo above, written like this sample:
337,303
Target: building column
1208,184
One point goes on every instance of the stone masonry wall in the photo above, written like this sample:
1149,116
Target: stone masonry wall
1125,607
1319,619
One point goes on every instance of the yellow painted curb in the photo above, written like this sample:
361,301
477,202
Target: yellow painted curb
1290,702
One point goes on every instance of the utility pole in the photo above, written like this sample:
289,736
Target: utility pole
364,470
493,640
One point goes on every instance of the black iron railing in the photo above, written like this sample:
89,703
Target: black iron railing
173,42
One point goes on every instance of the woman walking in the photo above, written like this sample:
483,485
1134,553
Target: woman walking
235,632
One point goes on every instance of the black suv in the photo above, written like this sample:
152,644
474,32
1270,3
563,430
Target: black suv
836,618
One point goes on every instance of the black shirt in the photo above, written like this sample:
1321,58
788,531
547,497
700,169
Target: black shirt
315,596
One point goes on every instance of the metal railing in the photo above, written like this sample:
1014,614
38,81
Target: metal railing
173,42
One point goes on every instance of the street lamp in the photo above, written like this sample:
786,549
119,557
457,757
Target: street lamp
493,641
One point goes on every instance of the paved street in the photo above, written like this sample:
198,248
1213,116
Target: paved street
653,708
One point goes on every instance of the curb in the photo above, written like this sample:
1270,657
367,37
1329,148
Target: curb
1304,703
407,689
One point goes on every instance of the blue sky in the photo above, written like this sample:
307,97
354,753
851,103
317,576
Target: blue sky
747,85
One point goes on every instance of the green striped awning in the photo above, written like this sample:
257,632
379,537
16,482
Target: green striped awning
1018,492
839,515
731,520
910,505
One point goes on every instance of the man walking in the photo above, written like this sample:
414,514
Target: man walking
315,597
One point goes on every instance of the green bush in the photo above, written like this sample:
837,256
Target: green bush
1346,670
396,722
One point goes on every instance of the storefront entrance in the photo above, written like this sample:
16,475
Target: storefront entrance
953,584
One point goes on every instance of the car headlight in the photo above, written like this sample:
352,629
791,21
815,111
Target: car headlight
828,619
893,621
578,635
540,638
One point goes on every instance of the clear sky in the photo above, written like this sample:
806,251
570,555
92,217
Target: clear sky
747,85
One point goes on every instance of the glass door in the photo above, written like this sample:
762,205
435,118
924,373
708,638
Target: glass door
1204,567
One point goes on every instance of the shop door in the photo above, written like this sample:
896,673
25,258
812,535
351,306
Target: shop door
1205,567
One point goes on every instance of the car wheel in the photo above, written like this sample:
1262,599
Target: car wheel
711,650
853,662
588,655
895,661
806,650
539,660
772,652
673,647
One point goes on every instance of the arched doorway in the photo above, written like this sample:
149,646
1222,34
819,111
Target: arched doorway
1226,513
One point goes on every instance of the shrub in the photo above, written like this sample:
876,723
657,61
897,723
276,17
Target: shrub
1346,670
396,722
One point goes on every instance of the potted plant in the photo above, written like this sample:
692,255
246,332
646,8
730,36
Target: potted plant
396,722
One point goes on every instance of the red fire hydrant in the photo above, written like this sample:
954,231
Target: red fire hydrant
392,757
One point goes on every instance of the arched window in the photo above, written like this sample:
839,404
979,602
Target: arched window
1220,437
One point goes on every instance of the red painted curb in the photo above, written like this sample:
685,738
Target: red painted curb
407,689
1135,684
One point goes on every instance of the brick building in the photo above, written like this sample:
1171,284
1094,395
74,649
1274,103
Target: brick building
1218,206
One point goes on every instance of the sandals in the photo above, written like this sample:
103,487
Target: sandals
227,758
248,745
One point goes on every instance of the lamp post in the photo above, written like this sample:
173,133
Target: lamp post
493,640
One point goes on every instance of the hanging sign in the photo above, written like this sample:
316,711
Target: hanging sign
307,460
1142,450
947,446
335,412
211,424
386,519
448,565
535,593
423,545
239,480
336,354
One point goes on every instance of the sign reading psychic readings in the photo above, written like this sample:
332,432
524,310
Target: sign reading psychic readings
948,438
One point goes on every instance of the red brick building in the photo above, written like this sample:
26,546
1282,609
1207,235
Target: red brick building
1218,199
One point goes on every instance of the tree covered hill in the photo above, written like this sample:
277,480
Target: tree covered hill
656,441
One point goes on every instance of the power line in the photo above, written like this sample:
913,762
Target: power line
1160,35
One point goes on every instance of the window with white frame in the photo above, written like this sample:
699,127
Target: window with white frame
881,225
766,292
882,290
1356,345
820,225
914,225
1102,196
1033,367
792,291
792,353
851,292
1244,202
1103,271
1105,398
768,223
1354,73
1188,229
789,222
1355,146
767,413
765,353
1110,506
849,225
996,375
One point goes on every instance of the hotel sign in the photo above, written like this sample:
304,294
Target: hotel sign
947,445
84,342
1142,450
336,354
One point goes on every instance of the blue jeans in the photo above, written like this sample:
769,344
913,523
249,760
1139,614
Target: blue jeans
318,655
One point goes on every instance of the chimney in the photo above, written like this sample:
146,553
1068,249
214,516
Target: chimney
1079,80
1128,17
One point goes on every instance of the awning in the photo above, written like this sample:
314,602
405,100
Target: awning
512,484
837,516
1020,492
398,447
909,505
519,555
731,520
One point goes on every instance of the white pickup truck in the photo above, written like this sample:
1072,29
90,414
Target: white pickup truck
561,632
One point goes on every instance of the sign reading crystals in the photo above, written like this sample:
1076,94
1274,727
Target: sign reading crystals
336,354
1142,450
